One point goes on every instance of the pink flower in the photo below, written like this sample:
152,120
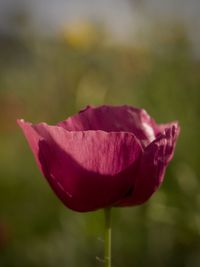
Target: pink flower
103,156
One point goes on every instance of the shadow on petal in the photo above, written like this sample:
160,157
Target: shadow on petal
78,188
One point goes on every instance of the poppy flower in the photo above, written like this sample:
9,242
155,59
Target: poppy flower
103,156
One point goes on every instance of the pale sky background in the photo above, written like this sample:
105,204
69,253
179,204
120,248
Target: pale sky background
121,16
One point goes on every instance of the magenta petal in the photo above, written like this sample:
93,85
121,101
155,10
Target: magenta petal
86,169
160,128
33,139
114,119
152,166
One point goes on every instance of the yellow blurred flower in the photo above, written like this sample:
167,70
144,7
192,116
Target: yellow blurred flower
81,34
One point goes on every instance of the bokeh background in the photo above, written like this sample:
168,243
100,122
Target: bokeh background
55,58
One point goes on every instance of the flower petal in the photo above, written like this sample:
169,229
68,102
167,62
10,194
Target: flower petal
86,169
152,166
33,139
113,119
160,128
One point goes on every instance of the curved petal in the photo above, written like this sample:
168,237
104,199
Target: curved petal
33,139
160,128
113,119
152,166
87,170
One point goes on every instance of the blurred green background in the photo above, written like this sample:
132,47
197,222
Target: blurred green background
48,77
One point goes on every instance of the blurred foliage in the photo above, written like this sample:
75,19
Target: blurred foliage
48,79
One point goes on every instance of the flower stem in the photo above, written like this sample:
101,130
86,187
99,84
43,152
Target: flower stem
107,238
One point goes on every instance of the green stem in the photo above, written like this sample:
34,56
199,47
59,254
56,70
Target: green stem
107,238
